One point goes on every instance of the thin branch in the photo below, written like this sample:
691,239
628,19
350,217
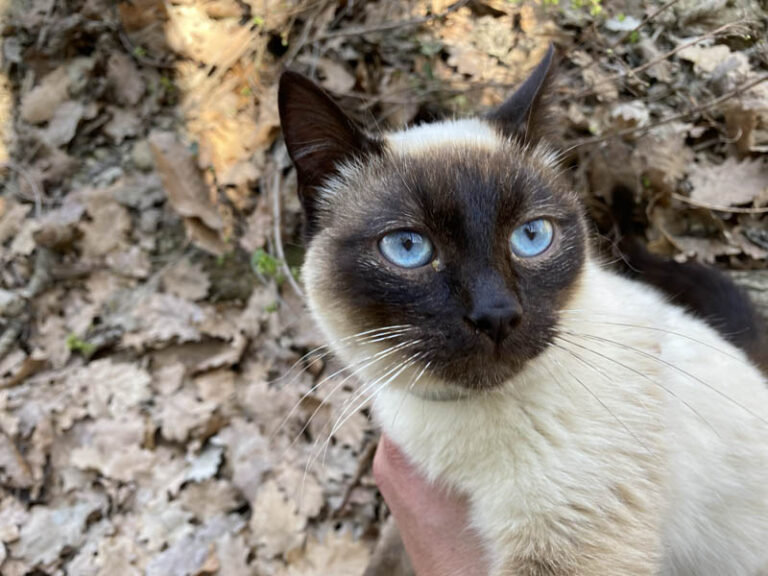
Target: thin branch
642,24
635,71
388,26
277,228
609,49
708,206
683,115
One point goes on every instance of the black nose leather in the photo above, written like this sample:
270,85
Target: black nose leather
496,320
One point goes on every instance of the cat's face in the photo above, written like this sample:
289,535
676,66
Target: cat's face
454,241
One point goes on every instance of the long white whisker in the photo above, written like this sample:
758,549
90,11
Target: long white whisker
642,375
359,337
673,367
659,329
357,368
411,386
340,423
596,397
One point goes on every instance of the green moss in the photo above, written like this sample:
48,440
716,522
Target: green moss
77,344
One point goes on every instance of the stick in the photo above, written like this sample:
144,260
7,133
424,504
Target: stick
727,96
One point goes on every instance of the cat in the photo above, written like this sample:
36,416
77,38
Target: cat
595,426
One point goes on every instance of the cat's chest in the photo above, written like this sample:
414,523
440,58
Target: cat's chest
567,432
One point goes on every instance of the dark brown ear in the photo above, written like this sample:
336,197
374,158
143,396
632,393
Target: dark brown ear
523,115
318,135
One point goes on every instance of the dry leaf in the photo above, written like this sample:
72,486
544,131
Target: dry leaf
233,554
63,124
125,78
705,58
188,555
276,526
51,529
336,554
183,184
182,413
186,280
209,498
731,183
42,102
248,457
123,124
164,318
111,388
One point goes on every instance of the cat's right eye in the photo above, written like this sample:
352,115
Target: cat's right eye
406,248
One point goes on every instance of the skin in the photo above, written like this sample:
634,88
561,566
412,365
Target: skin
433,523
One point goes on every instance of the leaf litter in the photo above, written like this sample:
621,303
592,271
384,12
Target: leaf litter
157,414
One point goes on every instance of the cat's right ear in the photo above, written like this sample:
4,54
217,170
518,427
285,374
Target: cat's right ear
318,135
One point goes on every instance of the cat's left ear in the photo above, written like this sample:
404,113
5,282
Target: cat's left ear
319,137
524,116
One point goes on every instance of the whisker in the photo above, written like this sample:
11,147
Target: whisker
597,398
396,329
340,423
365,388
642,375
377,356
673,367
411,386
665,331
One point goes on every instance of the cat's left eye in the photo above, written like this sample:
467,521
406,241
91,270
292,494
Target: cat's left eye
406,248
532,238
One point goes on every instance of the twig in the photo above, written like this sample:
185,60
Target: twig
277,227
387,26
363,465
715,207
707,105
645,21
635,71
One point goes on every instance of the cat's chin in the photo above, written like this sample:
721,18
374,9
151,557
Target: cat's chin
438,388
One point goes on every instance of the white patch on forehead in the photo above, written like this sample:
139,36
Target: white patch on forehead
467,132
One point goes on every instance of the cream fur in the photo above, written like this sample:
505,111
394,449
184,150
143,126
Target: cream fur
604,460
464,132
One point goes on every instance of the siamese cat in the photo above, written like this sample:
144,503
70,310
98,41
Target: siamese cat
596,427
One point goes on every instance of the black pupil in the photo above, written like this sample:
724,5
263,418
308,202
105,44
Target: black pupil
530,231
407,244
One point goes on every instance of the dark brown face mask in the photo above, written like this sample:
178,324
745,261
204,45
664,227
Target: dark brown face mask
475,248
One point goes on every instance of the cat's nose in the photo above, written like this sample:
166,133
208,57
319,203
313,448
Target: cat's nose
495,319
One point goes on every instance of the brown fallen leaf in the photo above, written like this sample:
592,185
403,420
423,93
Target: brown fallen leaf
40,104
62,126
186,280
53,528
124,123
338,554
188,555
184,186
731,183
276,526
126,80
232,552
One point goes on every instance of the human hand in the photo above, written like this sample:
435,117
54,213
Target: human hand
433,524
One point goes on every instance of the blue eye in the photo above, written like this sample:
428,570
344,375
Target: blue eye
406,249
532,238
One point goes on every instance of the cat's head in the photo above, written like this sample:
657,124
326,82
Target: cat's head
444,250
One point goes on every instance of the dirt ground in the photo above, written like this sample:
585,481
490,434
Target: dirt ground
157,412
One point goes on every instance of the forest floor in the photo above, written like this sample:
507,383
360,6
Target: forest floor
150,418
